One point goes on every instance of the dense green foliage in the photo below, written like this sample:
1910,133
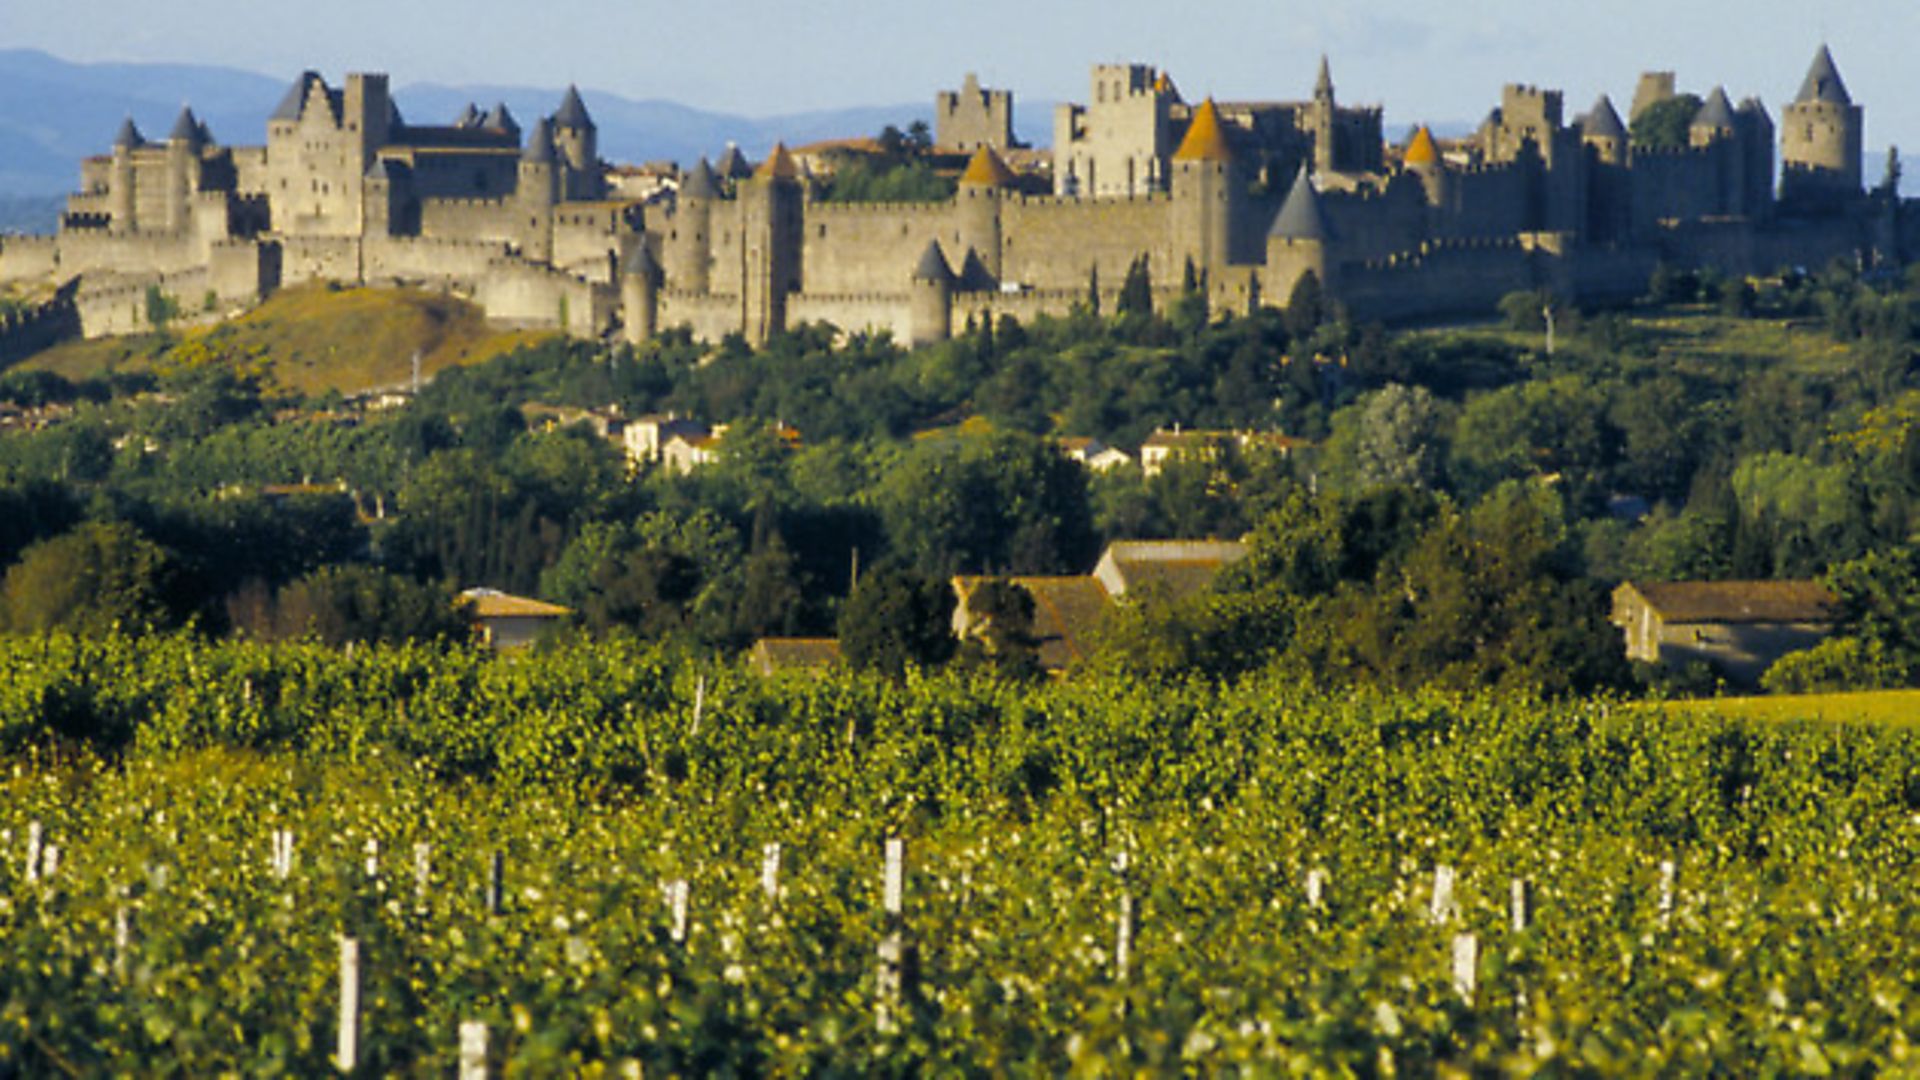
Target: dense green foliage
1027,812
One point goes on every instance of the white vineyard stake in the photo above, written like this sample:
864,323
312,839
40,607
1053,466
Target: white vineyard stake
770,871
473,1050
1316,888
49,861
122,940
373,857
1668,871
677,897
699,703
1123,939
422,870
896,877
1466,966
347,1053
1519,906
1441,908
892,951
34,840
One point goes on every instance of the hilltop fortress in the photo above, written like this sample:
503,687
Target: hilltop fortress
1241,199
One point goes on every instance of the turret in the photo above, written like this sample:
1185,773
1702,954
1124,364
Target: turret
1206,195
978,205
125,142
1714,122
930,298
1821,142
1325,158
1602,130
771,224
690,241
1422,159
577,144
640,294
500,119
537,192
183,153
1297,243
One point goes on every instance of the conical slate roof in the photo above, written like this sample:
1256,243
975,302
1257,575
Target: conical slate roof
1717,113
699,183
987,170
733,164
185,127
1823,82
1604,121
1422,152
1300,217
573,112
469,117
539,148
500,119
933,265
128,136
1206,140
295,101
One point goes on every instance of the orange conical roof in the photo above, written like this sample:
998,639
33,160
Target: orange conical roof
987,170
1205,140
1164,86
778,166
1421,150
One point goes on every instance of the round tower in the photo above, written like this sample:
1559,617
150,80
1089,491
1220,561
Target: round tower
930,298
1422,159
1206,194
183,148
120,201
1714,122
1820,143
1297,244
576,143
640,294
690,239
1602,130
771,209
537,193
978,205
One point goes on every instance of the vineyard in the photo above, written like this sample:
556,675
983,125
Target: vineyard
249,860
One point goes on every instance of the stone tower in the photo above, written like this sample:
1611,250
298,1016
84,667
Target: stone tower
639,294
1422,159
538,191
978,200
690,240
1602,131
576,144
930,298
1297,243
1325,150
971,117
1206,199
183,160
771,226
125,142
1820,142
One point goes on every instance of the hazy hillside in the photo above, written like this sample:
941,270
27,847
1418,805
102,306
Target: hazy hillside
53,113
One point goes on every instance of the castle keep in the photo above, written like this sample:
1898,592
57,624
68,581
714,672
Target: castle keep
1244,199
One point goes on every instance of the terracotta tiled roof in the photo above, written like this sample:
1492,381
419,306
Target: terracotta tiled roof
1205,140
778,166
987,170
1421,150
1738,601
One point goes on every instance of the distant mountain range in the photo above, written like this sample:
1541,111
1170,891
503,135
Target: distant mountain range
54,112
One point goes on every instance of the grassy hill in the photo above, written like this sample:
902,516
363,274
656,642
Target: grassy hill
315,338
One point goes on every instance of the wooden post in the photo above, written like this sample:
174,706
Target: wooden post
281,862
1316,888
699,703
122,940
1518,905
896,877
496,873
1466,966
1123,939
49,861
373,857
347,1053
473,1050
770,871
1442,907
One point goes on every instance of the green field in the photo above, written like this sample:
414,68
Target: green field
1899,707
1703,895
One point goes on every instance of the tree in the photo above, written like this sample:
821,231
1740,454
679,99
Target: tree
1136,292
339,604
1664,125
1393,436
100,575
1306,308
1006,502
895,619
1001,638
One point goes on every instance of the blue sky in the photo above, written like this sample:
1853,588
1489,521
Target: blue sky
1442,62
